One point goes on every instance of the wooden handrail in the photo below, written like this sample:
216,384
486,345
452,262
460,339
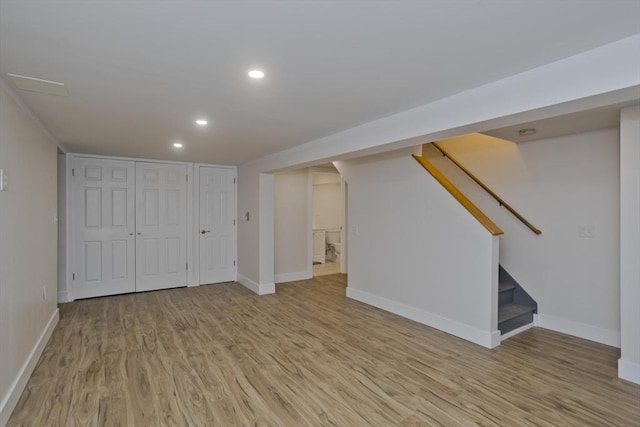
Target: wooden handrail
488,190
457,194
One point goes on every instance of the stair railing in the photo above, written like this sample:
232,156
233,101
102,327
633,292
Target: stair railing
459,196
488,190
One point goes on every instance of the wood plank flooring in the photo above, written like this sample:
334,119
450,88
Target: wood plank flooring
220,355
328,267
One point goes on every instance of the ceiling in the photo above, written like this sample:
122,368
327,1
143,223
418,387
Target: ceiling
567,124
139,73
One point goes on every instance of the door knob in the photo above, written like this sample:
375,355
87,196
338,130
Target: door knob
139,234
131,234
205,231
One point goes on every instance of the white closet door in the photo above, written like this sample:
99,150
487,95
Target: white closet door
161,226
217,225
103,227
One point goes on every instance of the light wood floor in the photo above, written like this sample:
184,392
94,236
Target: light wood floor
328,267
220,355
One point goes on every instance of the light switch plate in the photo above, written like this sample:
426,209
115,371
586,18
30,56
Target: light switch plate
4,183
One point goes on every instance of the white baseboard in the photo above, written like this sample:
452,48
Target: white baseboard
63,296
292,277
629,371
469,333
516,331
260,289
267,289
15,391
578,329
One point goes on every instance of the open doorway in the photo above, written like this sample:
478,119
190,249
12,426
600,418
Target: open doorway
295,222
327,219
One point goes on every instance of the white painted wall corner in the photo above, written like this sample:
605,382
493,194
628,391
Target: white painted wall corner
63,297
629,371
260,289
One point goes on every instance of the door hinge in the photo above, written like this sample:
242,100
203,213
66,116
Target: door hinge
187,266
73,276
73,171
234,222
234,262
187,178
234,180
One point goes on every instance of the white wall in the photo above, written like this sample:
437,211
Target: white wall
629,363
248,228
414,250
603,76
28,247
327,206
559,185
292,226
255,235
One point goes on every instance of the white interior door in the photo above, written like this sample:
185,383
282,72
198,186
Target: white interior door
161,226
103,227
217,225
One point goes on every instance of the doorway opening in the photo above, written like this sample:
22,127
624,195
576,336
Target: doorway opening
328,215
296,223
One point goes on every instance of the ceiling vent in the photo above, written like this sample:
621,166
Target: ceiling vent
32,84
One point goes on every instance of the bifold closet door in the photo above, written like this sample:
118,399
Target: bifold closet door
217,225
161,226
103,227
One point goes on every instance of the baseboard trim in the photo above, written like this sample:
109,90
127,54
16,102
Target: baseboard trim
63,297
516,331
460,330
578,329
629,371
260,289
11,399
294,276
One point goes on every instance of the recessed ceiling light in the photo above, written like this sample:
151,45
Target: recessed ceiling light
177,145
202,122
256,74
527,132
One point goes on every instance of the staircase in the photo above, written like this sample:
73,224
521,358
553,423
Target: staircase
515,306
